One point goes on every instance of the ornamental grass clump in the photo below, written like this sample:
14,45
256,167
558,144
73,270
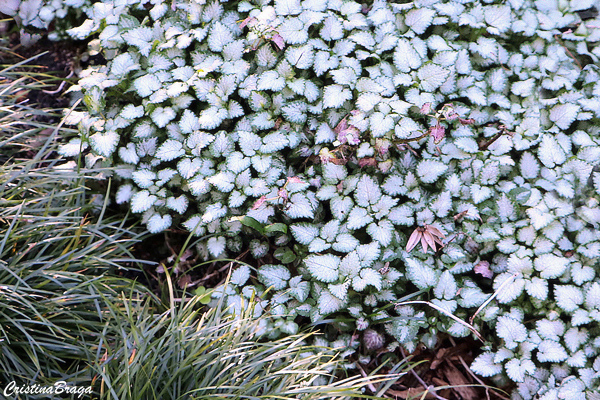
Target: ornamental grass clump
334,130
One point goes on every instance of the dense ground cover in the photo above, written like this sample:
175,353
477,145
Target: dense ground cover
395,173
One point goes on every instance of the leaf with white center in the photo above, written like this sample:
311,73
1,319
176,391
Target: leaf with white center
480,193
299,206
529,166
484,365
368,253
270,80
240,276
508,287
429,171
367,192
381,232
274,142
551,351
170,150
141,38
563,115
158,223
144,178
340,290
124,194
132,112
592,296
432,76
537,288
366,276
216,245
517,369
419,19
340,207
358,218
122,64
423,276
568,297
299,289
446,287
161,116
219,36
142,201
551,266
73,148
104,143
403,215
334,96
367,101
178,204
212,117
511,331
380,124
214,212
318,245
333,173
345,243
304,232
498,17
293,31
344,76
394,185
295,112
276,276
146,85
550,152
406,57
301,57
332,29
328,303
467,144
189,122
323,268
330,230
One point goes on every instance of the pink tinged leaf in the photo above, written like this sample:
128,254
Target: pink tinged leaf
294,179
278,40
326,156
437,133
353,136
259,202
282,193
435,231
450,115
429,240
413,240
467,121
423,243
341,126
367,162
246,22
483,268
385,166
426,108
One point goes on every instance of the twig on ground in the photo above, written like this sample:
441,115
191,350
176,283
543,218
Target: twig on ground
428,388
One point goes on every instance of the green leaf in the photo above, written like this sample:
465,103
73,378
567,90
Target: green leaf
251,223
277,227
285,255
204,295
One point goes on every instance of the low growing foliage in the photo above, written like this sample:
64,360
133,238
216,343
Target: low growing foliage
474,124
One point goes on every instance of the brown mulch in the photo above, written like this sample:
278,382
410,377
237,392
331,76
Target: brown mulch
443,373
